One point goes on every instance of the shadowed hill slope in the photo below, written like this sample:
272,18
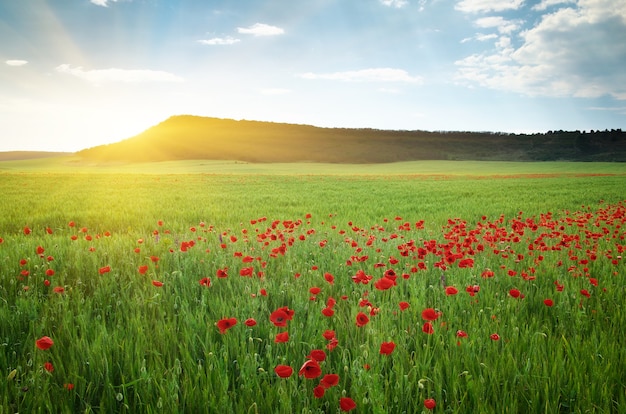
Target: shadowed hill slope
193,137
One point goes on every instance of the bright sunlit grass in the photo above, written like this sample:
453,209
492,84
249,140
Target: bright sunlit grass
499,294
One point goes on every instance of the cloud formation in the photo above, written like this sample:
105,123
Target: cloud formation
482,6
219,41
398,4
366,75
571,51
118,75
103,3
16,62
261,29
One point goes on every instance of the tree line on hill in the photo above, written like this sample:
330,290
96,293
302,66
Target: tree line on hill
192,137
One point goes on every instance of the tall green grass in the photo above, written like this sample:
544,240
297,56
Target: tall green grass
129,346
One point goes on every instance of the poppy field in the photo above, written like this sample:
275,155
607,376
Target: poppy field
312,293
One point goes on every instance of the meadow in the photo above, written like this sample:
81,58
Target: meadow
248,288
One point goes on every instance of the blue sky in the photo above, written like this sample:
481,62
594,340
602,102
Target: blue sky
80,73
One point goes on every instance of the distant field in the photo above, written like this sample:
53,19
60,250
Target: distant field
228,287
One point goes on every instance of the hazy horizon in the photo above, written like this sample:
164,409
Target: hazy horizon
84,73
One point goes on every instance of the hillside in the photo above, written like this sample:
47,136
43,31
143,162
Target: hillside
192,137
29,155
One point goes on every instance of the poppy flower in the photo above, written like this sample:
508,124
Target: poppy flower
222,273
404,305
329,380
328,312
283,371
315,290
318,392
451,290
461,334
317,354
40,250
225,324
329,278
282,337
516,293
428,328
495,336
157,283
143,269
387,348
548,302
361,319
49,272
332,344
429,314
384,283
44,343
105,269
310,369
430,404
48,366
68,386
250,322
205,281
27,231
585,293
58,289
281,316
328,334
346,404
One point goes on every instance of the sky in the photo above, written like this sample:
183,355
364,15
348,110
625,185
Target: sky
75,74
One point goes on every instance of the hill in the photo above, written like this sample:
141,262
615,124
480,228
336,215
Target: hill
29,155
192,137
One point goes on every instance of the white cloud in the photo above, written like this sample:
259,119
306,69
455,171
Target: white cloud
219,41
367,75
545,4
503,25
261,29
576,52
16,62
481,6
398,4
118,75
103,3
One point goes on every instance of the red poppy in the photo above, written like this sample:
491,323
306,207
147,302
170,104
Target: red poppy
40,250
105,269
494,336
328,312
44,343
472,290
332,344
283,371
318,392
461,334
585,293
58,289
246,271
429,314
157,283
315,290
329,380
250,322
387,348
282,337
225,324
205,281
347,404
384,283
361,319
154,259
49,272
317,354
404,305
310,369
451,290
27,231
222,273
328,334
516,293
329,278
48,366
430,404
143,269
281,316
548,302
428,328
68,386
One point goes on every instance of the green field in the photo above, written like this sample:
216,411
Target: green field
111,262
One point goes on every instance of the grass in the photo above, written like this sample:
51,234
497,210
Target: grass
127,345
